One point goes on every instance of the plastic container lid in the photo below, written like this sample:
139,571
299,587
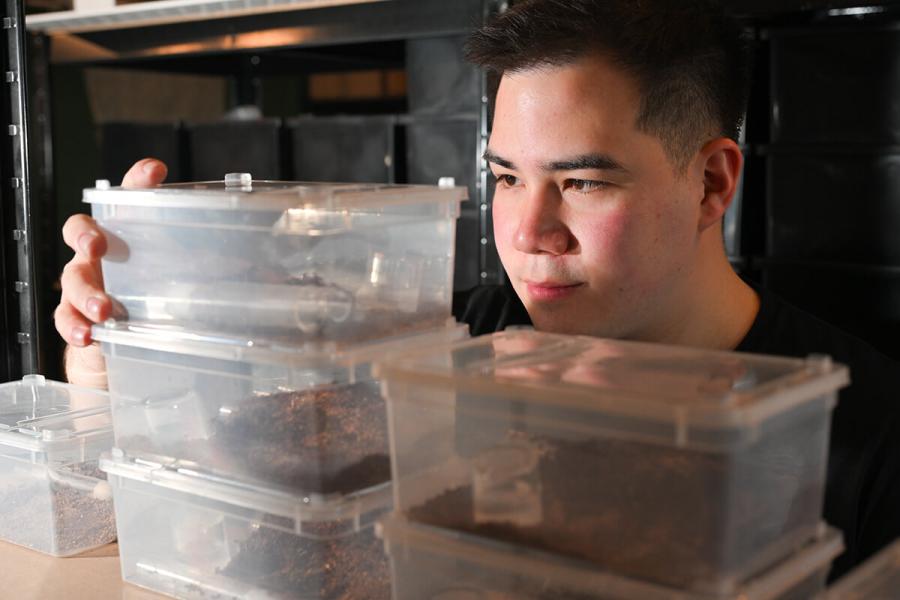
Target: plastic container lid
238,191
573,576
42,416
259,503
876,579
670,394
183,341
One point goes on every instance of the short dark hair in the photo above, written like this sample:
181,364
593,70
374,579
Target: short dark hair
690,60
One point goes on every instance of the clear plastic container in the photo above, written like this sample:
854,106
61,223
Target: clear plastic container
430,563
309,420
289,261
876,579
53,498
689,468
193,537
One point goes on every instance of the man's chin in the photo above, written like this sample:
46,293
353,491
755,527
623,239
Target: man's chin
559,323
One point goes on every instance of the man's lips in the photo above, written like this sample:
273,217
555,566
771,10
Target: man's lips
551,290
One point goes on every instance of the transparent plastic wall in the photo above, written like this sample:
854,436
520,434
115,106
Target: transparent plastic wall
197,538
309,421
53,497
427,562
684,467
292,262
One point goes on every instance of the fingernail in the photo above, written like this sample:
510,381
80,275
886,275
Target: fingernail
80,334
93,306
84,241
148,167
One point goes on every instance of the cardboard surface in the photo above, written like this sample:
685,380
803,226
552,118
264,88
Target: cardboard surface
93,575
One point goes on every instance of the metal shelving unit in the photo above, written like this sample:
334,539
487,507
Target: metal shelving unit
251,39
168,11
299,25
20,348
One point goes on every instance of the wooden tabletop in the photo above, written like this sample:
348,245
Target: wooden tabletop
93,575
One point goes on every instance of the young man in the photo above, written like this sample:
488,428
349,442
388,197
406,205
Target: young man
613,145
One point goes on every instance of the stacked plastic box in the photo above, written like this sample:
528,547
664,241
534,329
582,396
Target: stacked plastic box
251,439
642,471
53,497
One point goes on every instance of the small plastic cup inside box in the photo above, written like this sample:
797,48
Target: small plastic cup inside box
428,562
295,261
688,468
309,420
53,497
195,537
876,579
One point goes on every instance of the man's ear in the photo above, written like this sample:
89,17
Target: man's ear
722,162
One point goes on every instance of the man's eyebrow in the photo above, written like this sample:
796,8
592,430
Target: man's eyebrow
598,162
493,158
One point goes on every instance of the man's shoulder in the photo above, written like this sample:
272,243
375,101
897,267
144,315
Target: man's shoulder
863,486
489,308
783,329
873,397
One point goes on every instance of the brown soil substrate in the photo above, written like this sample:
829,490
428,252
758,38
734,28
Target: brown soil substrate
644,511
350,567
325,440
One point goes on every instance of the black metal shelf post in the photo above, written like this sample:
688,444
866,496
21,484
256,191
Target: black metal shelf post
19,305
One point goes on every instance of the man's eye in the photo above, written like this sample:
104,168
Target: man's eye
507,180
585,186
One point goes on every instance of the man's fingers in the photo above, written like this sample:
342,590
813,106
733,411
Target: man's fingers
83,236
85,366
72,325
83,290
147,172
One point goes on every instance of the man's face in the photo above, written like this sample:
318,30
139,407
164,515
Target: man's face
596,230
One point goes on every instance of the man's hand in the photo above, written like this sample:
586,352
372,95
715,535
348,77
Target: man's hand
83,300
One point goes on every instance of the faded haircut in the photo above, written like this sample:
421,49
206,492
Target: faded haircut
689,59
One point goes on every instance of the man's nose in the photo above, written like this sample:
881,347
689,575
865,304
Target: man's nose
541,229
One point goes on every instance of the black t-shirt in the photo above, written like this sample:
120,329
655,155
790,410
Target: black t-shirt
489,308
862,496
